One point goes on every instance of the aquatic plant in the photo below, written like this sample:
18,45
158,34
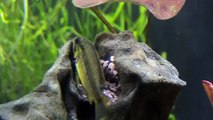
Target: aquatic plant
160,9
163,9
32,31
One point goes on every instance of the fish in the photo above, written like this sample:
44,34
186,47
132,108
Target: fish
161,9
91,75
208,87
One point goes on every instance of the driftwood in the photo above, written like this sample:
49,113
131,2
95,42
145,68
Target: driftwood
153,80
148,86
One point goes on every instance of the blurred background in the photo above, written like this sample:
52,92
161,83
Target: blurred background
188,41
32,32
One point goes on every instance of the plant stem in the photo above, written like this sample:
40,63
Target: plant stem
102,18
23,26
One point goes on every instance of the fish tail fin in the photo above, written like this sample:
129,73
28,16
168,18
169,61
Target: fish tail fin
101,112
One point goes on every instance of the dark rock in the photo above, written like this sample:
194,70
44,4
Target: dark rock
149,84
